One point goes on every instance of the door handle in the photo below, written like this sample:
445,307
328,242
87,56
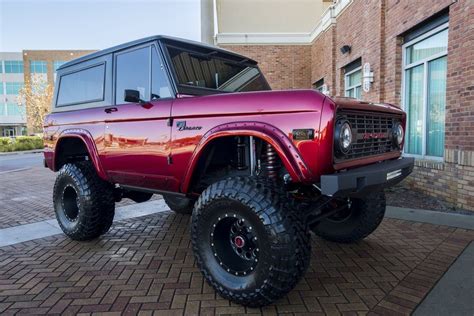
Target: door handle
110,110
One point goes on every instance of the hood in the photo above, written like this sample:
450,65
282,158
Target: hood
260,102
354,104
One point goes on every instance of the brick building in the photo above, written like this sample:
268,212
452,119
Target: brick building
43,64
416,54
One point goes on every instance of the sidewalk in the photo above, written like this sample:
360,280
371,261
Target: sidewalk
33,151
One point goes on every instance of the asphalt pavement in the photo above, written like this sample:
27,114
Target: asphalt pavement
17,162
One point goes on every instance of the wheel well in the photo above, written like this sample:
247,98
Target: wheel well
235,156
70,149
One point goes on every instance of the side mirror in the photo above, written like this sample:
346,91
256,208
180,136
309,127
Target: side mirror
132,96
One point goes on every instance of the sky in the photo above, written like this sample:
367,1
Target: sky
89,24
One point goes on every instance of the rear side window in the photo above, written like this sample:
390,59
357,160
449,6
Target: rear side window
83,86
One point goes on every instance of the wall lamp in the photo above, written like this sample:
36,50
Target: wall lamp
345,49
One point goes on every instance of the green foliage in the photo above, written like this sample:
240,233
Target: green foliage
20,143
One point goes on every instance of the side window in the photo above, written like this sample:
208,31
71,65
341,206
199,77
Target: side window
82,86
160,87
133,72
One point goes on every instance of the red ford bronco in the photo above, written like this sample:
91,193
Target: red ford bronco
256,169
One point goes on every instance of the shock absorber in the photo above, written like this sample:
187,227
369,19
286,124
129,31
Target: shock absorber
241,165
272,162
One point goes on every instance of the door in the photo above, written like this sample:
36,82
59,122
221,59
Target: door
137,135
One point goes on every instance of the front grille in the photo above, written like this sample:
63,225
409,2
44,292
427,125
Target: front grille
371,134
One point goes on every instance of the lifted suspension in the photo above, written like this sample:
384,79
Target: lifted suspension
271,162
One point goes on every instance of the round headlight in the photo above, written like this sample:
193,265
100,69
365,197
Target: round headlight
398,134
343,136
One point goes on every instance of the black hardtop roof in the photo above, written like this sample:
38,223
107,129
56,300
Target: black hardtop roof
168,39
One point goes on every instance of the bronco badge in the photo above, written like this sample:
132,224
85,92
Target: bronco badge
183,127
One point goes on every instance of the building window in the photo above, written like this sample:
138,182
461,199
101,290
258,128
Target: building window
424,97
353,79
1,67
13,109
57,64
319,85
38,67
3,109
13,88
13,66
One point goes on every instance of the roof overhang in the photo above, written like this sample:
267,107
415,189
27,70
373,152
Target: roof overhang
327,20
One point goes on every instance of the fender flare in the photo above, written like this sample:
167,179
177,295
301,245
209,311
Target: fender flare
284,147
88,141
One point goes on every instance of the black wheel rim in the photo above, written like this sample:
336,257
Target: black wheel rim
234,244
70,203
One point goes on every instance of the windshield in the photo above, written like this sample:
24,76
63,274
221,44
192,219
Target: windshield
213,71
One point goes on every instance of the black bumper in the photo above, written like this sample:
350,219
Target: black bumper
360,181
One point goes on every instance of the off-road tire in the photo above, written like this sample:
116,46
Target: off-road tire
95,203
178,204
284,240
366,215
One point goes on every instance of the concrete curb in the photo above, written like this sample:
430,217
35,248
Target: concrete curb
33,151
431,217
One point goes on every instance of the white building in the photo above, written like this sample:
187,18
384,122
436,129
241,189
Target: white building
12,116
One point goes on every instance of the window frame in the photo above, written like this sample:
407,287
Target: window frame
424,62
150,46
77,71
353,87
7,83
8,104
18,63
318,85
105,59
43,63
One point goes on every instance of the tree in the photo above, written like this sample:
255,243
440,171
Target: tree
35,98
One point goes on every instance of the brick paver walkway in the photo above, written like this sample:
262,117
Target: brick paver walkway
27,197
146,264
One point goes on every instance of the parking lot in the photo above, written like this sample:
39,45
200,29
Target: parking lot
145,265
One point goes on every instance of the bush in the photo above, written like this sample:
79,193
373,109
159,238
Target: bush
20,143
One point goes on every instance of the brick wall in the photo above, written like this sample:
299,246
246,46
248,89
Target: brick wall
359,27
374,31
323,64
284,66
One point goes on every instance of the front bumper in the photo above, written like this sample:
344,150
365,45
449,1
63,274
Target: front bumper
360,181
